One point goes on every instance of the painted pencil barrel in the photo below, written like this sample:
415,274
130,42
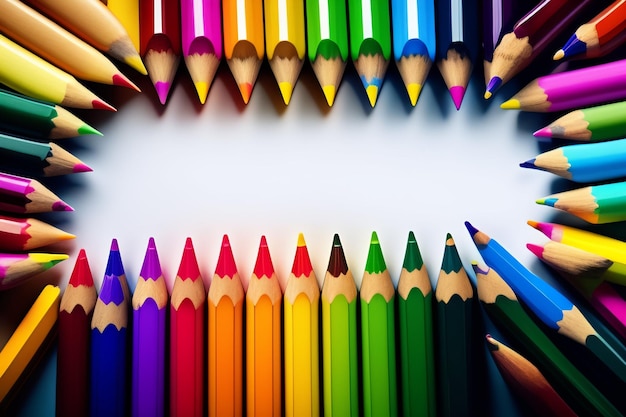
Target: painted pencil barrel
327,29
243,24
413,27
201,27
284,21
369,20
108,372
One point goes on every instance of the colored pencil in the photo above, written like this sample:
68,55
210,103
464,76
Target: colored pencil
327,43
29,340
415,323
30,75
149,325
201,37
378,346
606,301
370,43
591,124
301,309
600,30
160,42
225,339
91,21
285,43
454,295
31,158
596,204
109,341
127,13
76,311
187,357
529,37
16,268
580,263
500,302
26,195
605,246
244,42
263,338
528,381
457,44
55,44
590,162
498,19
22,234
339,337
25,116
547,303
568,90
414,42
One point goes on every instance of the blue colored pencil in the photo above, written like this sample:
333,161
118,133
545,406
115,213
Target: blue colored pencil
109,341
413,34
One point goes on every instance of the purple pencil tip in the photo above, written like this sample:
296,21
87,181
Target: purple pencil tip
114,245
546,132
471,229
151,268
457,93
529,164
162,89
492,86
61,206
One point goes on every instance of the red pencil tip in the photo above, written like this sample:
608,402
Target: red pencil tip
263,264
61,206
122,81
81,168
226,266
302,261
102,105
535,249
162,89
188,268
81,274
457,93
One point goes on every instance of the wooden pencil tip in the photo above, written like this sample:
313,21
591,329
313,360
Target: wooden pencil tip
560,54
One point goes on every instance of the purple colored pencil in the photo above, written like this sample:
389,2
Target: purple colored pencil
572,89
201,37
149,324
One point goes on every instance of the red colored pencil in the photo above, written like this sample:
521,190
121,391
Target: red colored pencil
73,357
187,338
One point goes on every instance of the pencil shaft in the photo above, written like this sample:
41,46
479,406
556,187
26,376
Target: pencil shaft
201,20
127,12
327,25
284,22
109,372
369,20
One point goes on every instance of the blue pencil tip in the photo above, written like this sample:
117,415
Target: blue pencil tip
471,229
529,164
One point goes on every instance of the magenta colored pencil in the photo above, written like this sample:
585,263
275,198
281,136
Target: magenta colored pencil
572,89
149,325
26,195
201,35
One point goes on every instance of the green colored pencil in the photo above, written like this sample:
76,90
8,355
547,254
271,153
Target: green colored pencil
339,337
378,339
454,294
28,117
502,306
415,323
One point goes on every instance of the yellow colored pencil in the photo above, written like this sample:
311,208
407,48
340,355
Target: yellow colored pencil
263,344
302,296
285,42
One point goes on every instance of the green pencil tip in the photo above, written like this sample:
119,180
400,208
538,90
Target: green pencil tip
451,260
374,239
88,130
412,256
336,241
375,261
448,236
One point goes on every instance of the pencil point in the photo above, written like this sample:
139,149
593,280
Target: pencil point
546,132
529,164
512,104
286,89
492,86
88,130
301,241
48,260
246,91
558,55
375,261
487,95
471,229
263,265
302,261
61,206
163,89
114,246
573,46
457,93
548,201
535,249
226,266
414,90
135,62
202,88
122,81
188,268
151,268
372,94
114,263
451,259
329,93
81,274
412,256
102,105
80,167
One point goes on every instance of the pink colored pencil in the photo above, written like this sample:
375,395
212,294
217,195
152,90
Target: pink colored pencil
201,36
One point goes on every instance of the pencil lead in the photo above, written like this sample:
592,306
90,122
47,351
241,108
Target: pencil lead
81,274
545,132
302,261
548,201
188,268
457,93
80,167
529,164
48,260
532,223
412,255
88,130
414,90
372,94
162,89
134,61
451,259
246,91
151,268
202,88
493,85
61,206
512,104
286,90
99,104
329,93
226,266
263,265
122,81
487,95
375,261
535,249
471,229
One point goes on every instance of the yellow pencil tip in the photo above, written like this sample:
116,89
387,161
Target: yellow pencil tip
135,62
286,89
301,241
487,95
414,91
512,104
558,55
202,88
372,94
329,93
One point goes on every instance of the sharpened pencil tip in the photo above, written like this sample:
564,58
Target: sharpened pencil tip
492,86
529,164
545,132
114,245
88,130
81,274
535,249
134,61
188,268
163,89
61,206
329,93
226,266
80,167
471,229
413,90
151,268
246,91
532,223
122,81
286,90
202,88
560,54
512,104
550,201
372,94
375,262
102,105
374,239
487,95
263,265
336,241
457,93
301,241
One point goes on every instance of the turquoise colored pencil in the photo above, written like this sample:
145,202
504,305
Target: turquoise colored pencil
415,328
548,304
378,341
596,204
455,295
413,29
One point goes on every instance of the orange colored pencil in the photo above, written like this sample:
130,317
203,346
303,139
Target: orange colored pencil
263,344
187,306
225,339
